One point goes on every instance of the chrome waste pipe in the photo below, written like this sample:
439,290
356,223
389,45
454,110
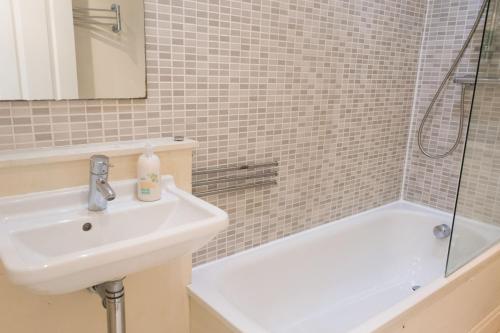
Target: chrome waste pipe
113,299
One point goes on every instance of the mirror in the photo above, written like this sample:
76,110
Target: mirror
72,49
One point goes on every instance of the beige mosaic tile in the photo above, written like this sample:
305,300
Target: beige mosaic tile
323,86
479,194
435,182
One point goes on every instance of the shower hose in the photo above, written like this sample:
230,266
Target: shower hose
443,85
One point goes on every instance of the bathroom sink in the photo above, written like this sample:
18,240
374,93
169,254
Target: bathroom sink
52,244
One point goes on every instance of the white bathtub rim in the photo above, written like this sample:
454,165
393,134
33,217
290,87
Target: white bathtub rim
398,204
425,292
230,317
234,318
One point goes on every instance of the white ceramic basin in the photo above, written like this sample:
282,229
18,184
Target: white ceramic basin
43,245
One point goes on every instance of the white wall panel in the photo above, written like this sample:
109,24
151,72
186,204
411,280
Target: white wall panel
9,74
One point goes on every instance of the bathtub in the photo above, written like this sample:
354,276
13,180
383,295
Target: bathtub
339,277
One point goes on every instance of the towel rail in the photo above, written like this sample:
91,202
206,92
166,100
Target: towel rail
235,188
471,80
235,178
237,168
84,15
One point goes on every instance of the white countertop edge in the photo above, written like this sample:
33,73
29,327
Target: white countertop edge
25,157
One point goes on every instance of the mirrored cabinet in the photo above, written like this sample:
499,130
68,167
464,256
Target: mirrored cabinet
64,49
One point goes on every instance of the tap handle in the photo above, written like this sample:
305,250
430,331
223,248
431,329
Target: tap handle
99,165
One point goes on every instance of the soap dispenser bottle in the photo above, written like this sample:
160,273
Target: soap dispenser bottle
148,176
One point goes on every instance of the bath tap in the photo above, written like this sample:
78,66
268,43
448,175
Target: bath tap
100,192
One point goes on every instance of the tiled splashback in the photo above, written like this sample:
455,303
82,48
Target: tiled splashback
331,86
480,182
325,87
435,182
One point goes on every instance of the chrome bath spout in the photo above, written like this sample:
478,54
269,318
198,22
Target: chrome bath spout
442,231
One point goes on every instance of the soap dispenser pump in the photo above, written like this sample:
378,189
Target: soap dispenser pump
148,176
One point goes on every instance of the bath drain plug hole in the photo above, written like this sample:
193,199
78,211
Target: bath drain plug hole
415,288
87,226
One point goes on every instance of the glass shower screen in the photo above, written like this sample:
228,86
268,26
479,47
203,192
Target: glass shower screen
476,225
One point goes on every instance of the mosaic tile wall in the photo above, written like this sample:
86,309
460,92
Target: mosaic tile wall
323,86
435,182
337,118
479,195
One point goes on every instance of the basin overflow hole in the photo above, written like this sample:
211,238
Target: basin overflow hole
87,226
414,288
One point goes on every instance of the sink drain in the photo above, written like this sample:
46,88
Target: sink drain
87,226
415,288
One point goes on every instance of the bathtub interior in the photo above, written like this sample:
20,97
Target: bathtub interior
331,278
470,238
334,277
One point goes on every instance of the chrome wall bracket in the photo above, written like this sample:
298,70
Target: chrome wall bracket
112,295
